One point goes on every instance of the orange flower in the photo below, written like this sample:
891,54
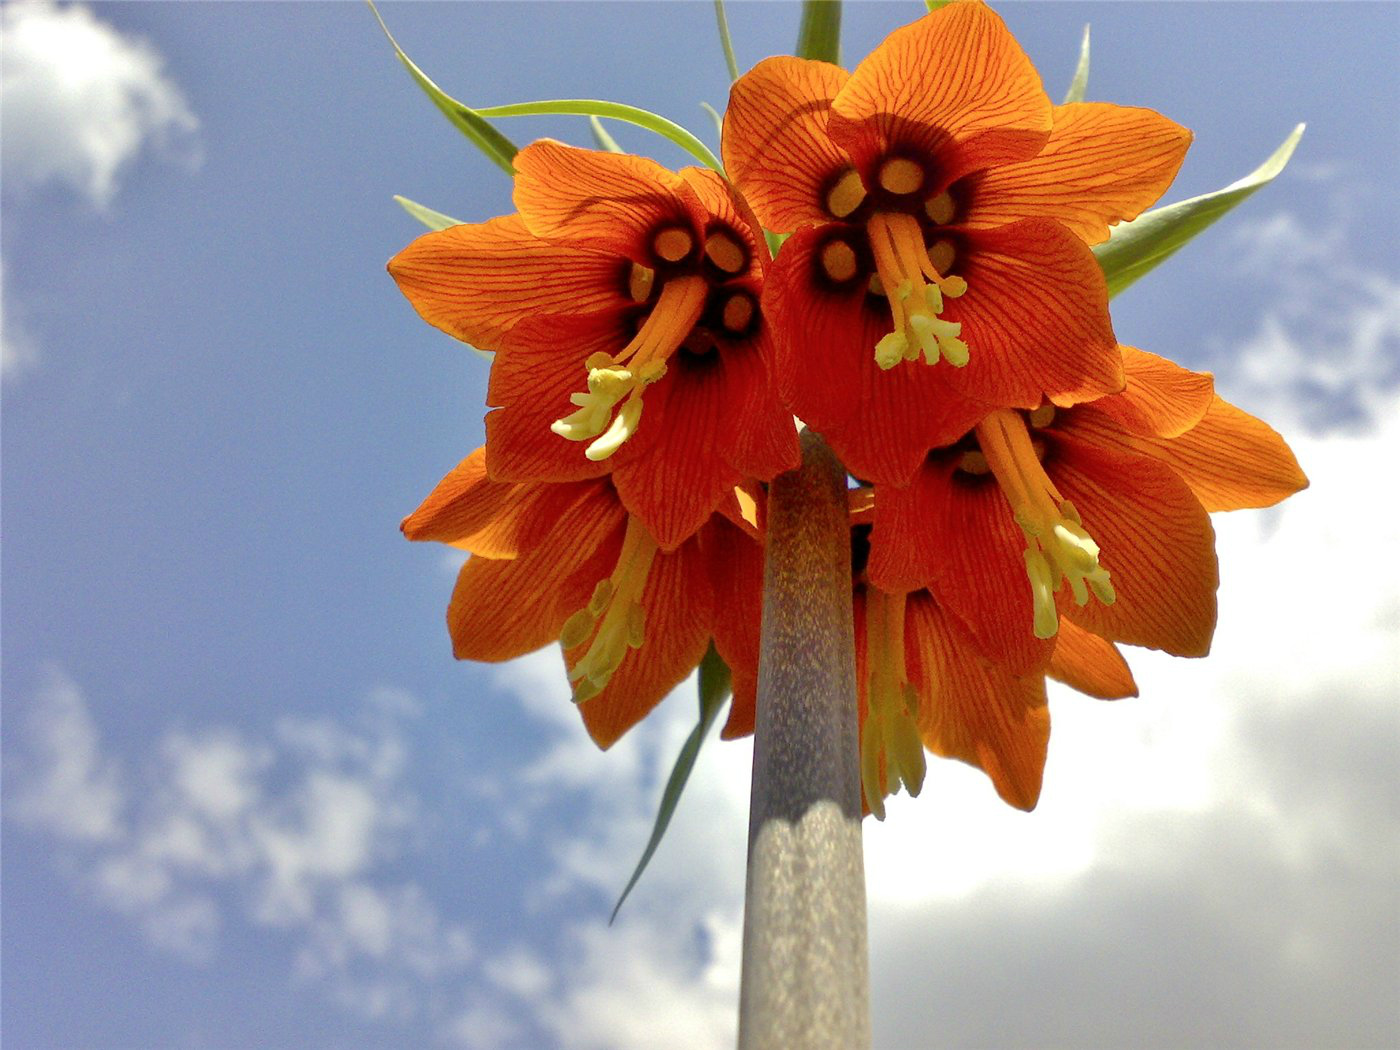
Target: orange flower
922,683
1095,515
941,208
618,286
567,562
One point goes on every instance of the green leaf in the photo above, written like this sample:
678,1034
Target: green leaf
601,136
1134,248
434,220
723,23
714,688
592,107
819,36
467,120
934,5
1080,83
719,120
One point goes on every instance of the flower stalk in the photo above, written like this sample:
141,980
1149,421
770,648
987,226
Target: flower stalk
805,978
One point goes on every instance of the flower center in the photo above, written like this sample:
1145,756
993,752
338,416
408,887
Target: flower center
725,252
846,194
900,175
891,752
623,377
613,616
914,286
1058,548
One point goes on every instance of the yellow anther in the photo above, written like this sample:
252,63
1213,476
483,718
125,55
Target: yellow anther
892,752
737,314
901,175
846,195
940,209
672,244
904,265
623,426
838,260
1058,547
725,252
620,618
639,282
940,255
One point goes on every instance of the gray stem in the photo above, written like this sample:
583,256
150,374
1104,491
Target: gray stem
805,981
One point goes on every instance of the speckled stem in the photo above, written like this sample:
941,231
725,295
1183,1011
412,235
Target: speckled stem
805,976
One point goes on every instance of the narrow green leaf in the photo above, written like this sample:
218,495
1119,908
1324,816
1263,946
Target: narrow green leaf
723,23
434,220
819,36
592,107
467,120
714,688
934,5
1080,83
719,121
601,136
1136,247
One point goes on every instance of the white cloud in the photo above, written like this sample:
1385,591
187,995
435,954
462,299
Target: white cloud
18,352
81,101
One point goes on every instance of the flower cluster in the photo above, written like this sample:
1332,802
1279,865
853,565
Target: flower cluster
1027,493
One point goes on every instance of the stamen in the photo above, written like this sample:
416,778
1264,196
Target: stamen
940,209
915,289
639,282
900,175
892,753
725,252
672,244
737,314
617,602
838,260
846,195
622,378
1058,548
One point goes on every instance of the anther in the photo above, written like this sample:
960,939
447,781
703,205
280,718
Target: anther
900,175
846,195
725,252
940,209
838,260
672,244
737,314
639,282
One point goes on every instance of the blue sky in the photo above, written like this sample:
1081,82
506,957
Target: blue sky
251,801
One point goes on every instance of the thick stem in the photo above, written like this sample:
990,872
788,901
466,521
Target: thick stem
805,976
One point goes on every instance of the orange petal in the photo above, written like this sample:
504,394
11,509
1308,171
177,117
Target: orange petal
954,86
679,608
956,534
1155,540
504,609
736,569
1035,318
462,503
1161,398
475,282
670,472
726,208
1091,664
776,148
612,202
757,436
972,710
1103,164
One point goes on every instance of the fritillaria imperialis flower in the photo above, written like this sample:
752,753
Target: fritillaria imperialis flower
941,210
1094,515
566,562
622,302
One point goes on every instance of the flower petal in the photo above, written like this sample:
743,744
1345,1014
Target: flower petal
757,436
954,86
956,535
612,202
724,205
736,570
972,710
1091,664
1102,164
1155,540
476,281
679,608
1161,398
776,148
1035,318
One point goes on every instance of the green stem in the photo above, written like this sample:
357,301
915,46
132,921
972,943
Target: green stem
805,980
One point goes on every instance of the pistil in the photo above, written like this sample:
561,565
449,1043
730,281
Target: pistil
891,752
1058,548
617,603
623,377
915,288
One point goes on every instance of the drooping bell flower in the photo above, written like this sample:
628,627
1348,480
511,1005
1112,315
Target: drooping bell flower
923,683
941,209
566,562
622,302
1095,515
